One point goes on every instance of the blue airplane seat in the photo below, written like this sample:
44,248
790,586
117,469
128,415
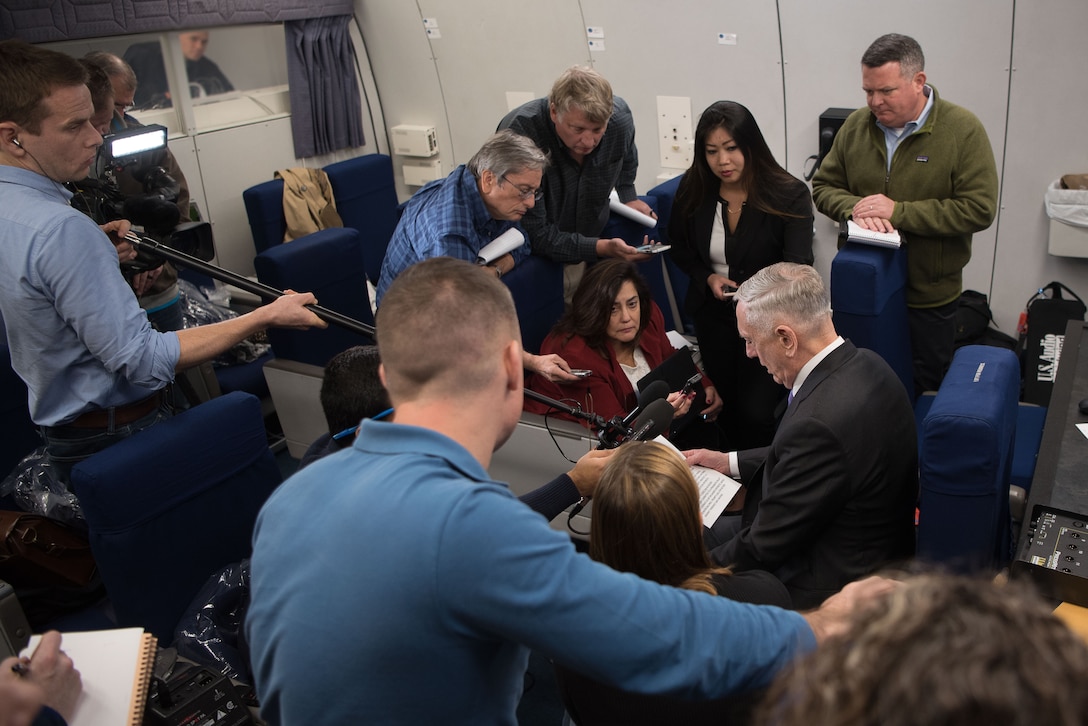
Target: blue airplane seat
965,460
171,504
868,299
365,191
264,209
331,264
536,284
18,434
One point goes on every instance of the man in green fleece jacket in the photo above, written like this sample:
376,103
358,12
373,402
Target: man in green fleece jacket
914,162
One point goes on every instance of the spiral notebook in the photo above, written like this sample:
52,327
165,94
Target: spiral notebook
115,666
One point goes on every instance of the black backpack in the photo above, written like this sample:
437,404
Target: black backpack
973,319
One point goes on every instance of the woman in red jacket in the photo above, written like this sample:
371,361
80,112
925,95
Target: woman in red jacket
614,330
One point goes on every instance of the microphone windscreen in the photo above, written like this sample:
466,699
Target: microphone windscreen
653,421
657,389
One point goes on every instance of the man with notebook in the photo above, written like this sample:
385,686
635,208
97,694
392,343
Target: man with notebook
911,161
396,582
477,203
474,214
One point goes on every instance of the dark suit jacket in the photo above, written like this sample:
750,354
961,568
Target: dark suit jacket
760,240
839,482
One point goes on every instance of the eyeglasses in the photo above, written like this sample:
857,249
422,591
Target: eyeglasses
524,193
124,108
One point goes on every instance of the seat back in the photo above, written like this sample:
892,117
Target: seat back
536,285
869,300
965,458
329,263
171,504
18,434
365,191
264,208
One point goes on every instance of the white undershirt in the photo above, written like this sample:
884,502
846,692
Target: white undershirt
636,372
717,243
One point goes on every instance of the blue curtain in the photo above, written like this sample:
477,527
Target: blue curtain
326,110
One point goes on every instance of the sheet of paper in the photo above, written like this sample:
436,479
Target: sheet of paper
677,339
716,490
508,241
1083,428
634,215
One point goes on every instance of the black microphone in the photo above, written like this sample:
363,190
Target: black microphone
657,389
653,421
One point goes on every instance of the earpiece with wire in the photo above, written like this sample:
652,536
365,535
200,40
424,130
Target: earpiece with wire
17,143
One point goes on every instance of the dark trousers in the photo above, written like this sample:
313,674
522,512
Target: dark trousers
932,342
749,393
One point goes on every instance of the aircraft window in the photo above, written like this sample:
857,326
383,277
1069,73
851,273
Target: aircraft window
228,75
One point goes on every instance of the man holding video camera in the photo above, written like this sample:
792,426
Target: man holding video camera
94,367
155,177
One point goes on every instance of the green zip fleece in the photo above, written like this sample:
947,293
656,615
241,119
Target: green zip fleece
943,180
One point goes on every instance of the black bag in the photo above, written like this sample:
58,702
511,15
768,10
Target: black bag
973,318
1040,344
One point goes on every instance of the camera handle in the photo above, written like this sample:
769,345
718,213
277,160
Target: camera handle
257,288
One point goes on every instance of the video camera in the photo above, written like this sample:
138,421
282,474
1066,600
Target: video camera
139,152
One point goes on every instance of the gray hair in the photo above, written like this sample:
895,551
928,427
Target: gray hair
785,292
114,66
507,152
895,48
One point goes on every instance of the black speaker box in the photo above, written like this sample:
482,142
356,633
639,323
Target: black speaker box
830,123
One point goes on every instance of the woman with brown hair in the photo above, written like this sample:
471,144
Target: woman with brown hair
613,329
646,521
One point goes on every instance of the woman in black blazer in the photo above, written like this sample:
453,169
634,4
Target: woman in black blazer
736,211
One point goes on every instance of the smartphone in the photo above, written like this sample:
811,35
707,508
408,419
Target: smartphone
581,372
689,385
653,249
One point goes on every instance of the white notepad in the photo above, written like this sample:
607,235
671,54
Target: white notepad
856,233
115,666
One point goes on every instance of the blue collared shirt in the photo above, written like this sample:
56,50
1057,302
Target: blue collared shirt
893,137
445,218
77,335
